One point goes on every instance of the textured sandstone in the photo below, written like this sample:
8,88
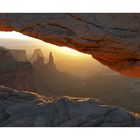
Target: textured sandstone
112,39
31,109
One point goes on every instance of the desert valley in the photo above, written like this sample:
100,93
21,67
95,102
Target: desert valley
43,84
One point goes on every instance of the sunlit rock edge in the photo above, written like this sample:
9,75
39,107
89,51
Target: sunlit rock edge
112,39
22,108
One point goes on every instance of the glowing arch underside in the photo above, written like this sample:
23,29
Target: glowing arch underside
112,39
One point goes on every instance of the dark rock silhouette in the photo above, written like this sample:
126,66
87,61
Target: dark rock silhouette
50,66
15,74
49,78
39,63
20,55
35,55
5,55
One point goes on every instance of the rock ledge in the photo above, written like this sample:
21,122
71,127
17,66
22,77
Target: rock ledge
31,109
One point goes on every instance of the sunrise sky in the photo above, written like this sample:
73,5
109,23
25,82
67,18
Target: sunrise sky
67,60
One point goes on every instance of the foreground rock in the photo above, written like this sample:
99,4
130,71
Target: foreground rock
112,39
31,109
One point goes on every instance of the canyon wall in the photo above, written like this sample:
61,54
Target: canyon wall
15,74
20,55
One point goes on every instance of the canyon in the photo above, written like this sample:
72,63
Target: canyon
15,74
112,39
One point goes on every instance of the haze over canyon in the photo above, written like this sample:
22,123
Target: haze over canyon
65,87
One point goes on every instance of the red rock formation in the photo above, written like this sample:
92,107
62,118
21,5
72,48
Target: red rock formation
112,39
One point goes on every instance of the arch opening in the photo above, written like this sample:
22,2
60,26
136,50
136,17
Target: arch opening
65,74
67,59
101,43
115,45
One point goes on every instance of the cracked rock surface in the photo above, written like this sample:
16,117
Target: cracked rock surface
31,109
112,39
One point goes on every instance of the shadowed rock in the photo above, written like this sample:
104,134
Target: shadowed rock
15,74
31,109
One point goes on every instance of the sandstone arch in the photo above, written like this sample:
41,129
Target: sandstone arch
112,39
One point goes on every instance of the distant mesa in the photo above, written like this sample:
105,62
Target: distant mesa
39,63
13,73
17,72
35,55
5,56
12,55
51,65
20,55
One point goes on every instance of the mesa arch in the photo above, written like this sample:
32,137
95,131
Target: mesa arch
112,39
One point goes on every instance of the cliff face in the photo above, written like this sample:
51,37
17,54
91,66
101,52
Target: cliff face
112,39
20,55
15,74
5,56
31,109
